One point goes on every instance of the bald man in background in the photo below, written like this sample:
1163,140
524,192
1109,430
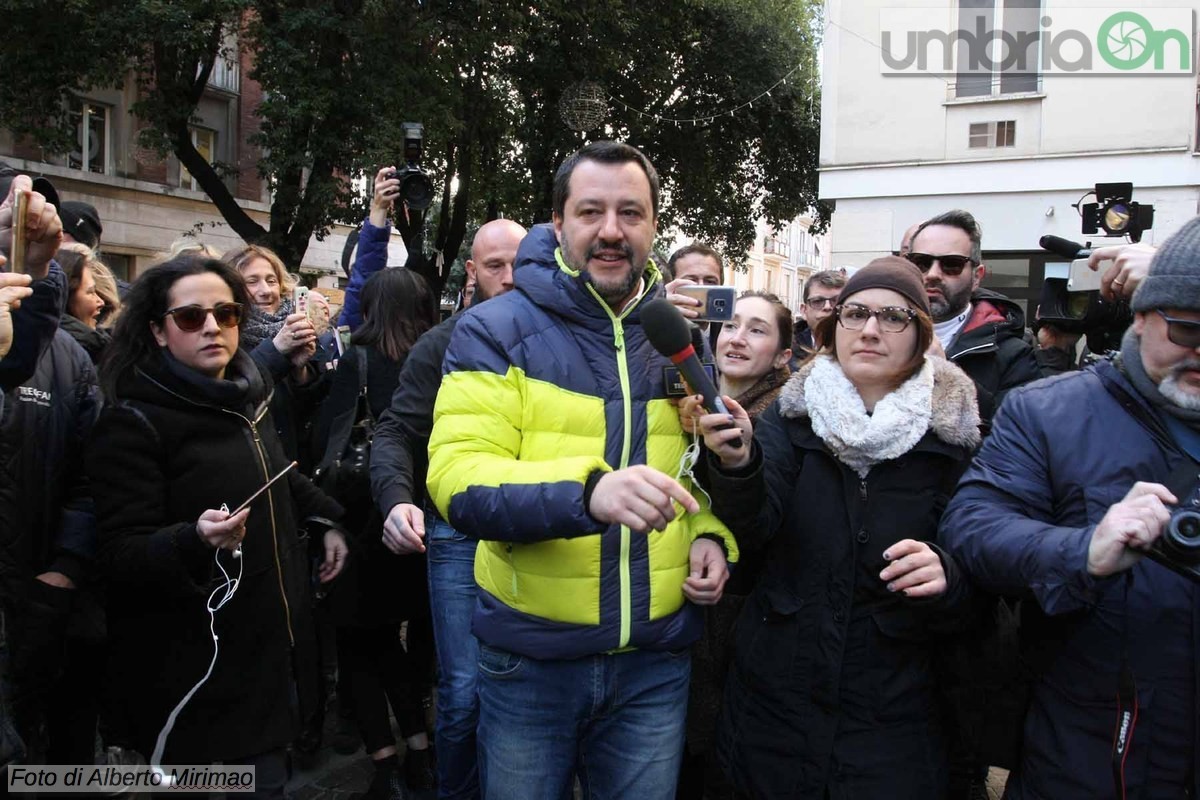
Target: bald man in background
398,466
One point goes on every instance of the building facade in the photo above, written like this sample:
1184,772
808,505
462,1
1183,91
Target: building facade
1016,147
782,259
146,202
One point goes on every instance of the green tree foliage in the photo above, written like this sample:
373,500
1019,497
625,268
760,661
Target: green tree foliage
486,77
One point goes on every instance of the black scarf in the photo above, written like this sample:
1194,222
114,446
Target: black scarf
263,324
1130,364
242,385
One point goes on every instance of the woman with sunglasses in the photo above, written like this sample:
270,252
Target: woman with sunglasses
832,692
186,436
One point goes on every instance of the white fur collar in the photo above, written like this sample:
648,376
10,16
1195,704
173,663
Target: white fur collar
939,398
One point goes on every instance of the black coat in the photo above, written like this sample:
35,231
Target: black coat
832,691
165,450
992,350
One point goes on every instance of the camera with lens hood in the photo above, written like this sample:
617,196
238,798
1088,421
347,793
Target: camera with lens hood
1179,546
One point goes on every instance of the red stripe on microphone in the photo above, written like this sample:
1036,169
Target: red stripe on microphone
683,355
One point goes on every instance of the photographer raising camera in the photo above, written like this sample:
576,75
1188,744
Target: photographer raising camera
1083,477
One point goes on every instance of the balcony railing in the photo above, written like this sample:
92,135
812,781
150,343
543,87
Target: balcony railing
225,75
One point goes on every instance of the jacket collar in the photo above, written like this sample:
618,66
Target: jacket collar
955,418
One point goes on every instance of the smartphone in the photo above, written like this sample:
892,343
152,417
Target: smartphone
16,254
1082,278
716,302
300,300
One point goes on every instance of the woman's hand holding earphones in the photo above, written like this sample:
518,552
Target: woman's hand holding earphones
220,530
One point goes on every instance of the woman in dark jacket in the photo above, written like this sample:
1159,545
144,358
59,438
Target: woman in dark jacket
752,353
85,304
380,589
832,691
185,437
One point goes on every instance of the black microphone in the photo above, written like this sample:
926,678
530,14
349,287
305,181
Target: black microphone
1063,247
668,333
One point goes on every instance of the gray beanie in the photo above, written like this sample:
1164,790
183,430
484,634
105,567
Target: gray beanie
1174,278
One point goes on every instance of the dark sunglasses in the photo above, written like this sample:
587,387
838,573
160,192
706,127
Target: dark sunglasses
951,265
1183,332
190,319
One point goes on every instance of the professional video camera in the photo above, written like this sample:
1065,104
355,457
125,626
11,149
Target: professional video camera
1073,304
416,189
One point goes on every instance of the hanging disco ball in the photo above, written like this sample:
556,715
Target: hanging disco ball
583,106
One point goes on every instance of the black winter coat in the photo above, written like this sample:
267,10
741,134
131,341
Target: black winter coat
992,350
832,691
165,450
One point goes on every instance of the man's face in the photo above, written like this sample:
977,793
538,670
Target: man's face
948,294
490,268
1175,368
698,268
607,226
819,305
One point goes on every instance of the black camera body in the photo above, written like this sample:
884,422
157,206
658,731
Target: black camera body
1179,546
416,189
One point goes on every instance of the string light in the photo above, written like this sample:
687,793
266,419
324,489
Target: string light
678,121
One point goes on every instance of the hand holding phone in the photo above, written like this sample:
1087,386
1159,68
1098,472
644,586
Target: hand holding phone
716,302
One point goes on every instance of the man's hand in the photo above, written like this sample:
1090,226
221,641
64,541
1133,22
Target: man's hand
56,579
335,556
384,199
218,529
1131,263
43,228
639,497
13,289
915,569
709,572
688,306
1128,529
404,529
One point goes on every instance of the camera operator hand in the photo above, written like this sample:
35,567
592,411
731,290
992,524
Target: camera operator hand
640,497
386,191
688,306
1128,528
1131,263
43,228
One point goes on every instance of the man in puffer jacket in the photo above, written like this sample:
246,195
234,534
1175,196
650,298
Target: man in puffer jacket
554,443
1062,504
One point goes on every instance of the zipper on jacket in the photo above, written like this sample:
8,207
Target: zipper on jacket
627,407
262,458
862,489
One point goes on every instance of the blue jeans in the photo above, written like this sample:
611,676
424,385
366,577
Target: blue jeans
451,562
615,721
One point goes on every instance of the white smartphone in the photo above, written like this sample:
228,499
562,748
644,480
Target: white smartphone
1082,278
300,300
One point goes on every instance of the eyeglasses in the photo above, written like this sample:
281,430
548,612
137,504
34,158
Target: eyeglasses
951,265
1183,332
190,319
821,302
891,319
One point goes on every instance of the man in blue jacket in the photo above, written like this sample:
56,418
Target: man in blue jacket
1074,486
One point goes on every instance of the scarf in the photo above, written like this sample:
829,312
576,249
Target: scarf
858,439
759,397
239,388
264,325
1129,362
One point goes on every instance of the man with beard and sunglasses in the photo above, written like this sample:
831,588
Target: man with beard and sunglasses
981,331
1074,486
556,446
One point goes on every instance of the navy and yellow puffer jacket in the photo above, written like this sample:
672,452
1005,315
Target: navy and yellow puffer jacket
543,386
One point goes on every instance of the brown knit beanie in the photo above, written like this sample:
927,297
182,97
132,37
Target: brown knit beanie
889,272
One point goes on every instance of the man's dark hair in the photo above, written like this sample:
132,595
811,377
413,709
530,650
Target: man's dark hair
605,153
829,278
696,248
965,222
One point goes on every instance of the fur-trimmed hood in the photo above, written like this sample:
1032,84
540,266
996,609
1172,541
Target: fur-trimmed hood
955,408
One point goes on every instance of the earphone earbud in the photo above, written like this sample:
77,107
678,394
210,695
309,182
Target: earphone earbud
238,553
